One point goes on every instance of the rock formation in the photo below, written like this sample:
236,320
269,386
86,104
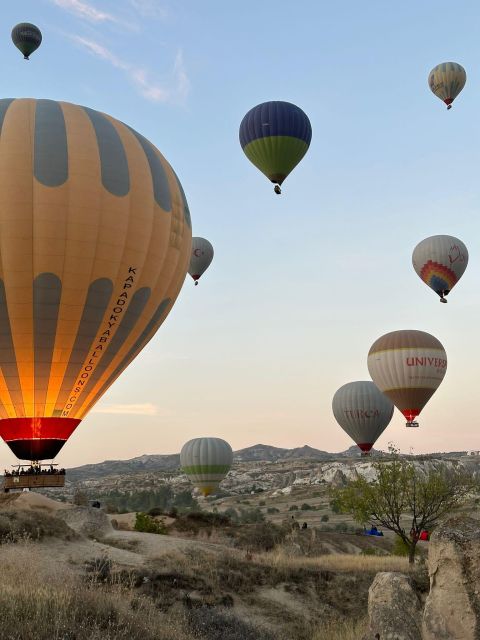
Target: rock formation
394,610
452,609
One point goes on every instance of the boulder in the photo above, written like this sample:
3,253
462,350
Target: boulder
87,521
394,610
452,608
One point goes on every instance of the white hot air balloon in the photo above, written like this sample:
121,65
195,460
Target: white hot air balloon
363,412
202,256
440,262
408,366
206,462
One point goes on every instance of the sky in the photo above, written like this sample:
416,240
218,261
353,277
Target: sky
301,284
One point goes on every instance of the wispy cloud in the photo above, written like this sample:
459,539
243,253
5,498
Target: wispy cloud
175,91
146,409
150,8
85,11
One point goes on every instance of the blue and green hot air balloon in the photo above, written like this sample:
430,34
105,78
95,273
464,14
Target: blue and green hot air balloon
275,136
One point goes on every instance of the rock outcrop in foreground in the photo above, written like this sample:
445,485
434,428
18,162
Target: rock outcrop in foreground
452,609
394,609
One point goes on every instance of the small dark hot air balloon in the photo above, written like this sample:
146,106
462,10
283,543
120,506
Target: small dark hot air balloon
275,136
446,80
27,38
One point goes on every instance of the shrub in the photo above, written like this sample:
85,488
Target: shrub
306,507
263,536
262,503
293,507
273,510
249,516
399,547
324,518
146,524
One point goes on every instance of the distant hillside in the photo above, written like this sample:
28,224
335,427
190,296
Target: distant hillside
170,463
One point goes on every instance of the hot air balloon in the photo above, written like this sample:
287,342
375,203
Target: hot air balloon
275,136
95,239
27,38
363,412
206,462
446,80
440,262
408,366
202,256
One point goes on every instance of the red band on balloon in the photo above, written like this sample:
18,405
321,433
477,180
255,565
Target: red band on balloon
37,428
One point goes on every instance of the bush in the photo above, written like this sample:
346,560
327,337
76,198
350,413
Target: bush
400,548
306,507
293,507
262,503
146,524
249,516
262,536
273,510
324,518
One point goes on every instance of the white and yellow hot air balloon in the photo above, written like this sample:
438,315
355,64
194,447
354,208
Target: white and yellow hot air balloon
201,258
440,262
446,80
363,412
408,366
206,462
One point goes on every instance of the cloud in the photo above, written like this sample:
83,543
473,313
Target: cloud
85,11
150,8
146,409
174,92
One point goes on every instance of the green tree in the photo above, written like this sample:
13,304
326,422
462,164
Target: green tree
402,490
147,524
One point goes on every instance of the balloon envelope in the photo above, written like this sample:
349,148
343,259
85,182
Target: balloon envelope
275,136
27,38
440,262
206,462
408,366
362,411
446,80
95,239
202,256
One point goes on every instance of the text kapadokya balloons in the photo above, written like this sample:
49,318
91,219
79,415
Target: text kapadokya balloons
408,366
275,136
446,80
440,262
27,38
363,412
202,256
206,462
95,239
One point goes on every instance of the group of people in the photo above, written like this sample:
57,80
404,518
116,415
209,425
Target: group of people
34,469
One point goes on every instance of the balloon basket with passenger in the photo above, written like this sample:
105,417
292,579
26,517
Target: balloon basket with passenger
35,475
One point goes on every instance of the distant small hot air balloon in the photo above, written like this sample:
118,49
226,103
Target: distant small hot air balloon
446,80
275,136
363,412
440,261
202,256
408,366
206,462
27,38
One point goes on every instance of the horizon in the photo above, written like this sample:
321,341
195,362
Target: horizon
301,284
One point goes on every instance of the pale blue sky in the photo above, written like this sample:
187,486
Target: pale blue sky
301,284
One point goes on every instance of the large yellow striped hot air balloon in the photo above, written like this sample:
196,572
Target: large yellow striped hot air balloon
95,240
